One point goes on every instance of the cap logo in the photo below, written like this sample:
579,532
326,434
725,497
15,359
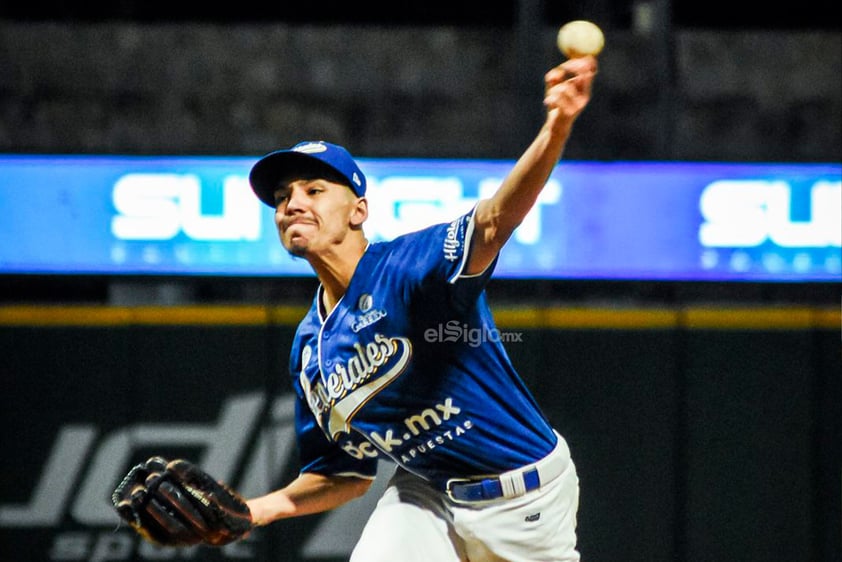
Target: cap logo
310,148
356,179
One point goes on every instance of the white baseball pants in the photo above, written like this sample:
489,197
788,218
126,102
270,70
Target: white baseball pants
414,522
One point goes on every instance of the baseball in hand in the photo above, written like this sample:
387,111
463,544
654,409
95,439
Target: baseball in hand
580,38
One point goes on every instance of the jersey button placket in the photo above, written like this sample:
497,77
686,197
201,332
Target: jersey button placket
328,363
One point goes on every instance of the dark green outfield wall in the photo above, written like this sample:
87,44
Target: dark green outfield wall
699,435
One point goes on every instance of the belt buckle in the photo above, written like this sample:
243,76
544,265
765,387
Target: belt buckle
448,487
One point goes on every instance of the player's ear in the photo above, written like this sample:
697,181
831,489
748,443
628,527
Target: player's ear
359,213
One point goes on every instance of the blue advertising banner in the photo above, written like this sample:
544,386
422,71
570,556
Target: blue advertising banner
133,215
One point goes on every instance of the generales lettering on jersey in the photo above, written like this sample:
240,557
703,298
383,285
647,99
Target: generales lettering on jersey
352,382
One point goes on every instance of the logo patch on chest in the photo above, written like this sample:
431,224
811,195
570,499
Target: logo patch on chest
369,316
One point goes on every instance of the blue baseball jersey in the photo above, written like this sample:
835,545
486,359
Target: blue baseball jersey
409,366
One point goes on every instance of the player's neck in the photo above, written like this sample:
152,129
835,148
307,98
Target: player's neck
336,268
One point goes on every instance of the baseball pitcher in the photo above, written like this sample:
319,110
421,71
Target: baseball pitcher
399,359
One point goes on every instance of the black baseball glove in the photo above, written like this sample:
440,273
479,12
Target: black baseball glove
176,503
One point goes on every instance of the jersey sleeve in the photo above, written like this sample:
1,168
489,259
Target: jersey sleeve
317,454
438,256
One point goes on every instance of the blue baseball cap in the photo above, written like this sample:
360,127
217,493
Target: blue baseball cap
308,158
